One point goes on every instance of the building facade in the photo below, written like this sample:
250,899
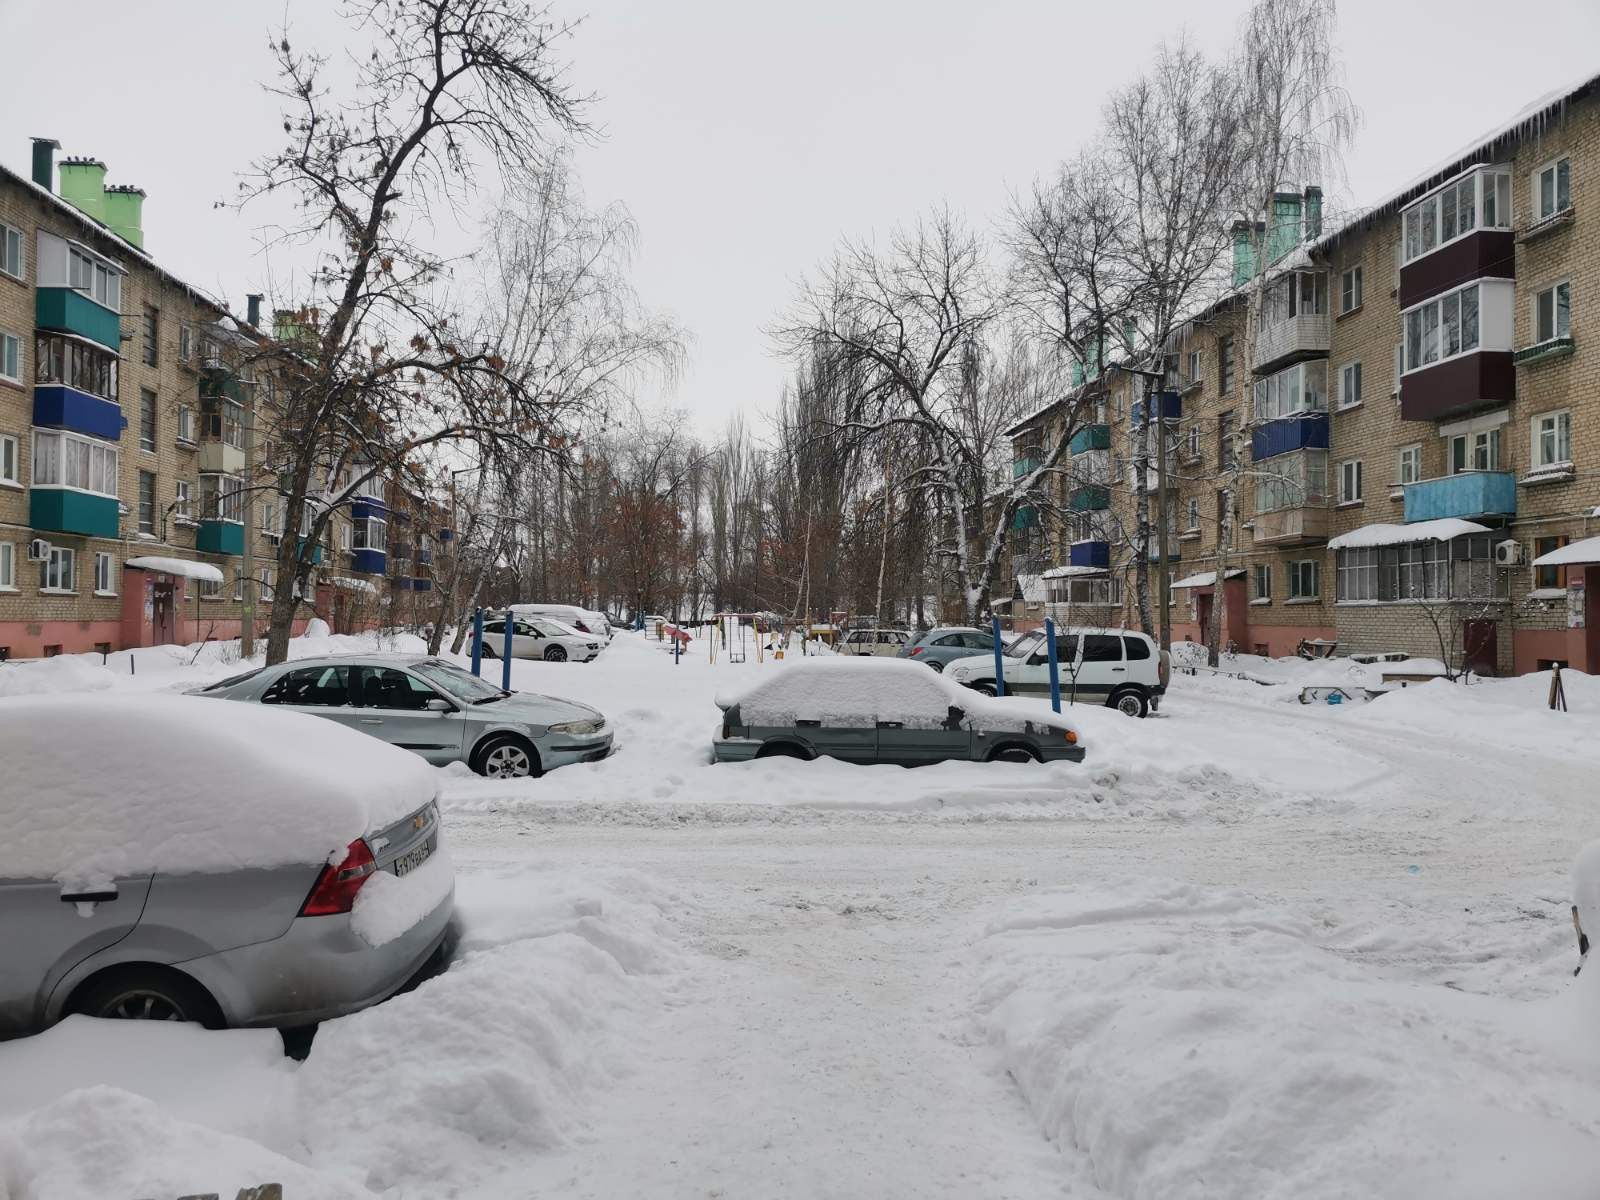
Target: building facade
125,423
1412,426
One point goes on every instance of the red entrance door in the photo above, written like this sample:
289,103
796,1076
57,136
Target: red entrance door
163,614
1202,612
1479,647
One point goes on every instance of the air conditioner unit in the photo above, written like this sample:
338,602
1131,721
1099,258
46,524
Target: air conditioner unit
38,550
1508,553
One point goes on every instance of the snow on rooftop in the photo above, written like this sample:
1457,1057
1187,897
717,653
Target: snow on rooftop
1384,534
1575,554
1205,578
1069,572
102,786
187,568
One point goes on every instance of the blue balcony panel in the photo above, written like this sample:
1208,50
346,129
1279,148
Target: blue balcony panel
422,585
369,562
1089,554
1168,407
1473,494
1305,431
57,406
360,509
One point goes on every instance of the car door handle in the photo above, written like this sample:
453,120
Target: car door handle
1119,668
99,897
372,720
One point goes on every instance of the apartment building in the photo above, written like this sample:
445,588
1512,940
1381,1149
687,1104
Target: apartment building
125,416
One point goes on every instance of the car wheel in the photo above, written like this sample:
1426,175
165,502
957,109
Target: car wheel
1129,702
1012,754
506,757
938,667
488,651
140,993
983,687
780,750
555,654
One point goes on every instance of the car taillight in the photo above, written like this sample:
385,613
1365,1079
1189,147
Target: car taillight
1072,737
916,650
335,889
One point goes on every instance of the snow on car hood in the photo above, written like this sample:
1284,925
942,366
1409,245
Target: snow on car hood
96,787
536,709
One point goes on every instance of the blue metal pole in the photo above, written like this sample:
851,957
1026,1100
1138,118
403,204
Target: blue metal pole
677,648
1055,675
505,656
477,641
999,668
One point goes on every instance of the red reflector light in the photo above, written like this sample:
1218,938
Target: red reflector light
916,650
335,889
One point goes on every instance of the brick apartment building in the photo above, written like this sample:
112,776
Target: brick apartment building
1418,419
124,429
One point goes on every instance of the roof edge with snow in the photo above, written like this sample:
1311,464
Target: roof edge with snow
1382,533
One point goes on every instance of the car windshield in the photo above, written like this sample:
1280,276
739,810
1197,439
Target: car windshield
463,685
1025,645
231,680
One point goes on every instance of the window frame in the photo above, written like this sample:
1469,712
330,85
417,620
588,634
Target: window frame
149,424
104,564
1298,566
1556,333
1191,513
1431,206
1563,430
1555,575
1536,188
14,478
150,336
61,563
182,501
20,377
1493,445
1225,364
8,566
1351,284
1261,583
185,341
1414,451
63,437
145,496
1344,374
185,434
6,234
1345,476
1438,329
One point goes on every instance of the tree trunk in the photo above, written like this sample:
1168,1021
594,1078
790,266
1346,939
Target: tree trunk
1213,630
1141,539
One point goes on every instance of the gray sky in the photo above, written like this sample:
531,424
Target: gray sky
747,137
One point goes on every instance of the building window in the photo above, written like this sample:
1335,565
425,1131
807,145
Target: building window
1549,577
344,536
10,357
371,533
221,498
180,501
1482,200
8,567
8,459
1225,364
209,589
1442,328
55,572
1478,451
1194,367
1551,440
11,261
1304,579
1297,480
147,503
185,423
147,420
185,341
1296,294
1225,449
1552,189
1408,464
67,460
1463,569
1261,575
98,280
1301,388
1552,313
1192,449
1349,290
1193,514
152,336
222,420
1350,481
1350,385
58,359
102,574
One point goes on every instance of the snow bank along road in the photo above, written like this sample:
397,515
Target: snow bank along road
1245,949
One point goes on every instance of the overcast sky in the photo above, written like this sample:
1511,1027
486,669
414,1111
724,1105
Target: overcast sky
748,137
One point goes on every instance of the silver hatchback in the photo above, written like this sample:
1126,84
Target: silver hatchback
432,708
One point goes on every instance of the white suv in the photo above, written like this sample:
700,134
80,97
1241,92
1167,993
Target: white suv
881,642
1125,669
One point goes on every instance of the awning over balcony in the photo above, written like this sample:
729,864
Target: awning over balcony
1381,534
1072,572
186,568
353,585
1205,579
1575,554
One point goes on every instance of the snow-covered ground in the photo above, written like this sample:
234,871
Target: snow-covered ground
1246,948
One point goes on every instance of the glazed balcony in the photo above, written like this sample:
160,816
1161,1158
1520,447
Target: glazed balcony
1290,340
67,510
1469,495
70,311
220,537
1091,437
1458,385
1302,526
1089,554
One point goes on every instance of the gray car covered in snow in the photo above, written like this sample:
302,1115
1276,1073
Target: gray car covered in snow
432,708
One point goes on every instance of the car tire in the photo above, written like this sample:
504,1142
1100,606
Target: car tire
140,992
1130,702
1012,753
488,651
983,687
781,750
506,756
938,667
555,654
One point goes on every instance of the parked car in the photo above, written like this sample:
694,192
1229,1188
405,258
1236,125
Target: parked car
941,646
209,864
432,708
539,637
1126,670
881,643
883,712
581,619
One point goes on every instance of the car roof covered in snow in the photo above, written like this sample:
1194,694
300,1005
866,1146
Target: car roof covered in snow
102,786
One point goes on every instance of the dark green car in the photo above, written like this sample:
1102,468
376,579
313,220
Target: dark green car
869,710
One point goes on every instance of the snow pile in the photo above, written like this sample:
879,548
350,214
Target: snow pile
182,567
387,905
1203,1042
101,786
49,676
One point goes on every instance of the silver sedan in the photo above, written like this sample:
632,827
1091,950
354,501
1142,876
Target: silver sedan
432,708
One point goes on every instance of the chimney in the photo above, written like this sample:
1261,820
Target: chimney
1313,211
252,302
83,185
1244,253
124,213
44,162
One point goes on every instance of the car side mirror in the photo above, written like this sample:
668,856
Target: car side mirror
439,705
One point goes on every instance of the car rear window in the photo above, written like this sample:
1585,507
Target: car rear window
1101,647
1137,648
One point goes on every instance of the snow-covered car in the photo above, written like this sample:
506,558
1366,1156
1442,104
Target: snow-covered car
432,708
1121,667
210,863
883,711
581,619
540,637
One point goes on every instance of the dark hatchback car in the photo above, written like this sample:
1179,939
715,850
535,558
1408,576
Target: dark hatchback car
868,710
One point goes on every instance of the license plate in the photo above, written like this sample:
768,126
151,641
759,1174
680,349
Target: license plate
414,858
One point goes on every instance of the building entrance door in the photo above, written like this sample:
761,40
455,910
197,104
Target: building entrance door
163,614
1479,647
